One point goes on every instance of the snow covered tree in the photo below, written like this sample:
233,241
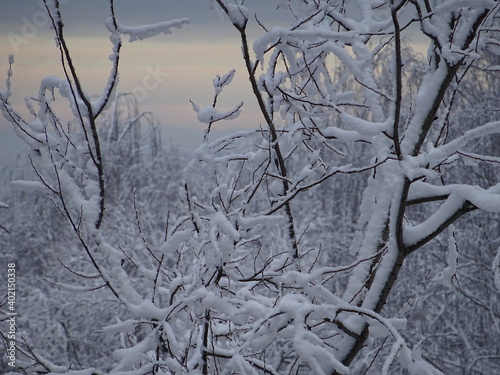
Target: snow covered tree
250,277
411,141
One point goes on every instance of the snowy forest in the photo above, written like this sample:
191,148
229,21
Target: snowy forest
354,230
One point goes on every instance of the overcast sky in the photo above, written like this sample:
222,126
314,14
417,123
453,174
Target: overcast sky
184,62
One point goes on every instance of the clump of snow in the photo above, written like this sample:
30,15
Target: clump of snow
247,222
224,225
146,31
496,269
276,187
175,240
210,114
219,82
238,14
129,358
5,95
120,327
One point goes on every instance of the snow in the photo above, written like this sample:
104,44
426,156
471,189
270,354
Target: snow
249,222
175,240
209,114
276,187
147,310
260,298
28,186
423,103
239,365
238,14
496,269
108,95
455,145
120,327
485,199
363,127
218,219
345,135
450,271
379,330
46,93
420,190
129,358
147,31
417,233
396,347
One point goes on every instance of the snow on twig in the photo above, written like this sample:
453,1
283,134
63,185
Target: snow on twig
147,31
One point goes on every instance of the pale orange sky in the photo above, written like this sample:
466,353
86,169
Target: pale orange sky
165,75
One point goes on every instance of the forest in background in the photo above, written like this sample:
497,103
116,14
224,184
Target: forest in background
242,256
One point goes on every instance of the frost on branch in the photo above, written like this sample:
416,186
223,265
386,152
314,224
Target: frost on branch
219,82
